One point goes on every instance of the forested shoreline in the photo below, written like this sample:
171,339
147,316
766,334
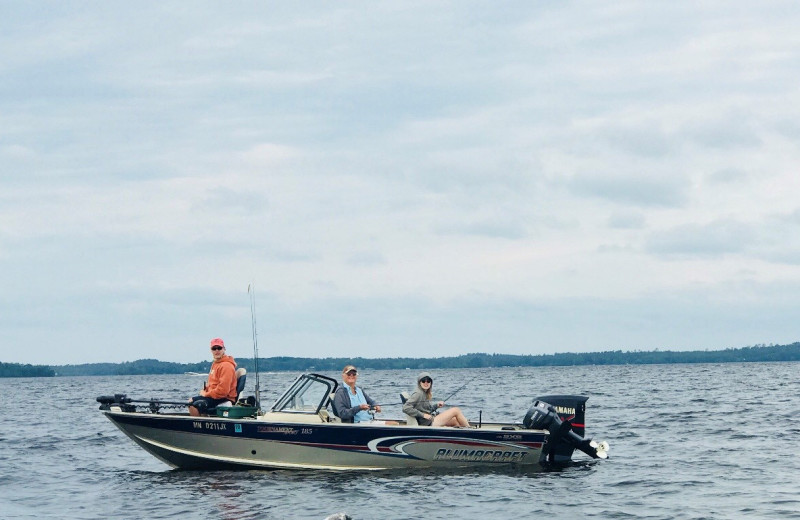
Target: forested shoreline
18,370
757,353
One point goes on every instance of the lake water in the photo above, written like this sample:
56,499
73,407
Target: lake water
687,442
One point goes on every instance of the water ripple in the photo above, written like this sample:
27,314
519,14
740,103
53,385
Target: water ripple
687,442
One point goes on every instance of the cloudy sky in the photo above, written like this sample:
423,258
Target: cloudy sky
397,178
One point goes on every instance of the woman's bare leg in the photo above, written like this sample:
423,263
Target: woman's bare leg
451,417
462,420
443,418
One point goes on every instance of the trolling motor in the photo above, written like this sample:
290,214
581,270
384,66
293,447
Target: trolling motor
563,440
125,403
120,400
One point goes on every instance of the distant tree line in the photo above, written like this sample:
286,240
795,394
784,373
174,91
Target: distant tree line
17,370
477,360
131,368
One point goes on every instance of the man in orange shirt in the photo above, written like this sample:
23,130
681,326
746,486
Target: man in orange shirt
221,385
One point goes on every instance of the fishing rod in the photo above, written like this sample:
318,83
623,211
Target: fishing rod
255,340
424,400
460,388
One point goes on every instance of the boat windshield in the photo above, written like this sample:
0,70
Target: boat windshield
308,394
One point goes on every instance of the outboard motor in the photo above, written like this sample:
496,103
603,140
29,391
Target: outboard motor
563,416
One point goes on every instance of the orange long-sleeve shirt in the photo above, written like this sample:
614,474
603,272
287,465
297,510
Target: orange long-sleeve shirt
222,379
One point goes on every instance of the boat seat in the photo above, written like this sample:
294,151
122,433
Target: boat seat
330,402
326,417
335,418
324,411
241,380
410,419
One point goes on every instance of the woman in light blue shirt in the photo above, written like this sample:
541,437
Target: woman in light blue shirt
350,403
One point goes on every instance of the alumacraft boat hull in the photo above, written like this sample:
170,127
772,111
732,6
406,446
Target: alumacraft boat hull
216,443
298,432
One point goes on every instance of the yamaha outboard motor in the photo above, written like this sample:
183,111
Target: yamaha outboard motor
563,416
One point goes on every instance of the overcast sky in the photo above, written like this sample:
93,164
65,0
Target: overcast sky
397,178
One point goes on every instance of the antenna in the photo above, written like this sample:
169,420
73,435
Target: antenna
252,294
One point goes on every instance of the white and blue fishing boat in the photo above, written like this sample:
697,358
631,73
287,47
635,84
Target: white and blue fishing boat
300,431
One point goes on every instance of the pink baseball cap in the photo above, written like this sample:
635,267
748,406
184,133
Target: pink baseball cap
217,341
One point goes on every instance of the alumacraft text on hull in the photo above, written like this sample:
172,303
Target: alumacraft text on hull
299,432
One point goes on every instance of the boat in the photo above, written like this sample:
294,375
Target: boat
300,431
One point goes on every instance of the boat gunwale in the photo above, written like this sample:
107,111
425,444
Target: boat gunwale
268,418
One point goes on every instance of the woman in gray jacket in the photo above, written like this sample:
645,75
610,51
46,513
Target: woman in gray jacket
351,403
421,406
